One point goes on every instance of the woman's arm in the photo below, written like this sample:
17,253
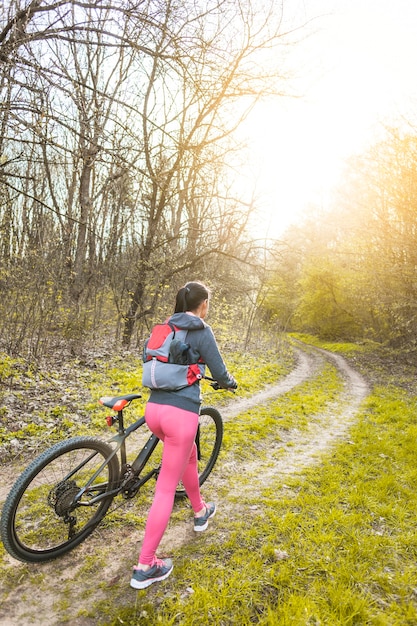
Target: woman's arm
210,354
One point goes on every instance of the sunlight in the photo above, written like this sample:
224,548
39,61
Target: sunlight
357,73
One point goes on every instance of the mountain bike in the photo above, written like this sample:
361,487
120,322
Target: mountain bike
64,494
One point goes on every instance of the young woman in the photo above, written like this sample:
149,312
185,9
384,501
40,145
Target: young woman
173,417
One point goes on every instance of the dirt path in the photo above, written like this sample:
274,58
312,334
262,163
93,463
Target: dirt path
329,427
332,425
307,365
45,587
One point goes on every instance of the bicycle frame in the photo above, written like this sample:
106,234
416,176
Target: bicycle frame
137,466
120,447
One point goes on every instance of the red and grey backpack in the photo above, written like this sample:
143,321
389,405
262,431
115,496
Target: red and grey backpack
169,362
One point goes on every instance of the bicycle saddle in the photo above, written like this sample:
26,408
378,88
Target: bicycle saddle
117,403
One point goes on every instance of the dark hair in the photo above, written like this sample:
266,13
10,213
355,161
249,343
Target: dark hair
190,297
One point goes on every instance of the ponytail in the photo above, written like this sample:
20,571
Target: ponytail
190,297
181,302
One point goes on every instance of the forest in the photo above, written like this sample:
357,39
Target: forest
117,159
120,153
349,272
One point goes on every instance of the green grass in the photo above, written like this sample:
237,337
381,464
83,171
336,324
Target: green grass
123,374
334,545
346,529
245,435
345,348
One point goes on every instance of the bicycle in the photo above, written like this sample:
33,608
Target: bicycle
64,494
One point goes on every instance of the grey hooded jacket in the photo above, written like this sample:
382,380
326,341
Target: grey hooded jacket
201,339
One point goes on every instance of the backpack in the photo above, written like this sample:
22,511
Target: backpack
169,362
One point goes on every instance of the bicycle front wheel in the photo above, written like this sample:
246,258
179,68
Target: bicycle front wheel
208,440
59,499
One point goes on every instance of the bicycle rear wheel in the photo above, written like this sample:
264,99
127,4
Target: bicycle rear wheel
209,440
46,513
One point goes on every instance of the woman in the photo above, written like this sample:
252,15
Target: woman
173,417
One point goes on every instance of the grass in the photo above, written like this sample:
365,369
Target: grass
245,435
346,529
121,376
55,419
334,545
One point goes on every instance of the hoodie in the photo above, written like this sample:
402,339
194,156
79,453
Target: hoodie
201,339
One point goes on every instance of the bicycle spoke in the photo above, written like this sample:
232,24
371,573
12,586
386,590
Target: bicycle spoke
59,499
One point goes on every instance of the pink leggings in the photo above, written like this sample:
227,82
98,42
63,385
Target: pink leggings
177,429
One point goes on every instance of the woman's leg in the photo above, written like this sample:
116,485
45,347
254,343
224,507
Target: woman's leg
191,482
177,429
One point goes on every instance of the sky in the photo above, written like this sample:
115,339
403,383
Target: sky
356,72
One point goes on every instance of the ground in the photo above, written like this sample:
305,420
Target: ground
42,594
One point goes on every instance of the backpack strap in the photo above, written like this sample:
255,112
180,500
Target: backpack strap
172,327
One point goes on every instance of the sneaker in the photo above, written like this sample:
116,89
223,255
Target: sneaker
201,523
159,571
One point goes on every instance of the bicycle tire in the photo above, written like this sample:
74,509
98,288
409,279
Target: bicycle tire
39,520
209,441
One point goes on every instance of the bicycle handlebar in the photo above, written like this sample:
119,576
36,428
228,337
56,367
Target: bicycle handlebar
216,385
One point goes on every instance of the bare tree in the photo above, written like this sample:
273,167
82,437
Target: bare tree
117,126
201,71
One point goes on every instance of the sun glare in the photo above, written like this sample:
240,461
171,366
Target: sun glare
355,73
